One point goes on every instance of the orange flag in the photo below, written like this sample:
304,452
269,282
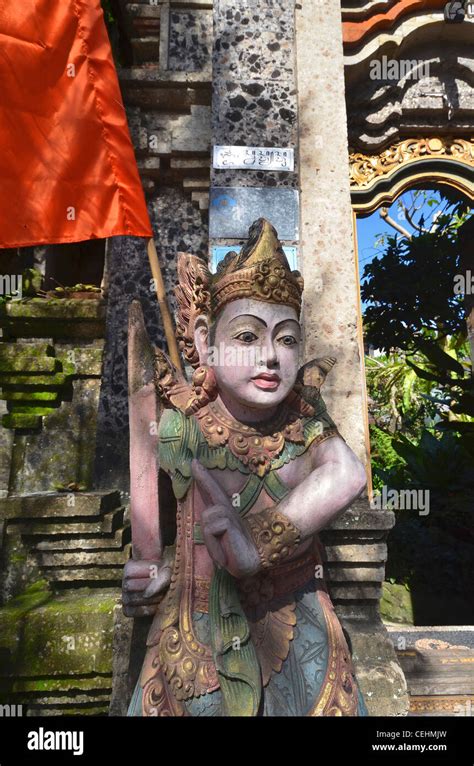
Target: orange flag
67,166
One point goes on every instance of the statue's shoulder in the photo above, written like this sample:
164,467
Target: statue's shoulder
178,444
172,425
310,379
321,413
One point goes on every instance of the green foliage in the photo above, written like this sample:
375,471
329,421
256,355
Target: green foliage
32,280
417,318
399,398
384,457
433,554
410,289
421,402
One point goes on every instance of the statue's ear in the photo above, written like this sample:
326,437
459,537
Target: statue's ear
201,338
193,300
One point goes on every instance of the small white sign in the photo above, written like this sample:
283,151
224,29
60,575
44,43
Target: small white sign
253,158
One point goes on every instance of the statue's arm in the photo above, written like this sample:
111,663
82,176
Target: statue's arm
337,479
269,537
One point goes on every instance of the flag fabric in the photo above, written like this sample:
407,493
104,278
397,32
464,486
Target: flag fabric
67,167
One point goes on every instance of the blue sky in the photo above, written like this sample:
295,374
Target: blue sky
369,228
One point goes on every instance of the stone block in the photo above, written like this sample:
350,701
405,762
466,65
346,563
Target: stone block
108,523
84,558
378,671
341,573
356,553
355,592
97,575
104,542
69,634
56,651
396,604
42,505
53,318
190,40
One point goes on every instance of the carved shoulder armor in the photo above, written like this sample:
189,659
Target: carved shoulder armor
178,443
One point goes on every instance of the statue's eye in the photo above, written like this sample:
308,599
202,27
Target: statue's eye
288,340
246,337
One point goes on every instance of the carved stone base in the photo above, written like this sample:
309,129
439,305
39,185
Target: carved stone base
356,553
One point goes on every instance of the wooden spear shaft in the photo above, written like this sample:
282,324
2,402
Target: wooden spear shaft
163,304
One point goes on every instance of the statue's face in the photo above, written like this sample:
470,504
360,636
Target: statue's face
255,352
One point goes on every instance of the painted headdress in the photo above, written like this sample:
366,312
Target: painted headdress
260,271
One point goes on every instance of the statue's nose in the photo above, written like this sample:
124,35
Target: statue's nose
271,356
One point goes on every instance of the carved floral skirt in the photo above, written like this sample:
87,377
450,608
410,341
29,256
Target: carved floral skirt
316,676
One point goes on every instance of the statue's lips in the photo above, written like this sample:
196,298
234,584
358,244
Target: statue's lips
267,381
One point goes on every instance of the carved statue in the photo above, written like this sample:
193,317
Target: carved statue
243,622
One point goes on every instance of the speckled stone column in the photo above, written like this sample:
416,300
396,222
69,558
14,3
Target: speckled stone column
328,265
254,93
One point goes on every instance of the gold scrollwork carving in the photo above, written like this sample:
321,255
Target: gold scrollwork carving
366,169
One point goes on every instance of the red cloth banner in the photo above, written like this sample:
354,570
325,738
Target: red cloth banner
67,167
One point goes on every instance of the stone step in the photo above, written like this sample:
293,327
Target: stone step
32,396
117,540
149,166
197,184
194,4
84,361
356,553
152,87
84,558
166,100
360,518
341,573
108,523
438,672
9,351
67,700
111,575
436,660
190,163
40,318
69,635
31,364
70,709
58,504
67,685
143,10
355,592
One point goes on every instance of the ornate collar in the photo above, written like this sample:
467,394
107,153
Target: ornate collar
255,445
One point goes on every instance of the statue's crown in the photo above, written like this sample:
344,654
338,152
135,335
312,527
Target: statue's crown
260,271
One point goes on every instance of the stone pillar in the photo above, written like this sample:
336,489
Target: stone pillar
355,543
331,312
253,94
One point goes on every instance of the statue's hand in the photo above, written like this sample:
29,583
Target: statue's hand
226,537
143,585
